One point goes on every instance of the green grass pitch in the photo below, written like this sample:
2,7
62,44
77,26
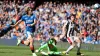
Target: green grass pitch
25,51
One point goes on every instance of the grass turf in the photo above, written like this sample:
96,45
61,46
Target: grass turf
25,51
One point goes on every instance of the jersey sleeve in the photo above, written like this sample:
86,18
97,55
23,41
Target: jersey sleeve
66,23
23,18
34,16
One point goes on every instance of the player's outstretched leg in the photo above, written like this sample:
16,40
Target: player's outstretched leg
29,42
19,39
18,42
25,42
72,45
70,48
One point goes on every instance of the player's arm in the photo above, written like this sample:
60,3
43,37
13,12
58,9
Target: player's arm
17,23
78,31
42,47
63,31
34,21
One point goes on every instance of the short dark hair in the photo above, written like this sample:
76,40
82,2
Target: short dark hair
74,15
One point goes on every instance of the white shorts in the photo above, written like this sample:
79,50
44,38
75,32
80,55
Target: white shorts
29,34
72,39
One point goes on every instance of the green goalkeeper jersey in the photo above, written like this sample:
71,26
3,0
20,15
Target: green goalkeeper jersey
52,45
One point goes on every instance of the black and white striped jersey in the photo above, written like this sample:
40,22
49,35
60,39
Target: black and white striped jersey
71,28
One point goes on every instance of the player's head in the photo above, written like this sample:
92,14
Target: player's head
54,40
29,10
72,17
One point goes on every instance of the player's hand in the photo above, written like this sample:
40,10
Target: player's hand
12,26
29,24
32,24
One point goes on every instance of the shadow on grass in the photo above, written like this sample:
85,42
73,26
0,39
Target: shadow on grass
82,55
51,55
64,55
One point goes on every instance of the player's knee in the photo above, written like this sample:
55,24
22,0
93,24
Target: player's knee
26,43
78,44
73,44
31,40
78,40
31,43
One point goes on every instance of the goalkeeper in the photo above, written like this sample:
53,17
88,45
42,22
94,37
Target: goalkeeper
51,46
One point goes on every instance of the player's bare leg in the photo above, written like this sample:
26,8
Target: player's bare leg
26,42
32,46
29,42
19,39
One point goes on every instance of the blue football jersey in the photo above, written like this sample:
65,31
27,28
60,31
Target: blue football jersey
29,20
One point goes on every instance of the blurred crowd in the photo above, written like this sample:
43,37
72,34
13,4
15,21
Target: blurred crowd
10,13
51,16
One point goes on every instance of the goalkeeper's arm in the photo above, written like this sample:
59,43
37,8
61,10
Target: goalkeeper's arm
42,47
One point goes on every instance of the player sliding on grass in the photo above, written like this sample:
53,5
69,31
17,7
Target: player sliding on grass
30,21
51,46
68,31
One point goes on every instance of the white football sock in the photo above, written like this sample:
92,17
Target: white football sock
70,48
